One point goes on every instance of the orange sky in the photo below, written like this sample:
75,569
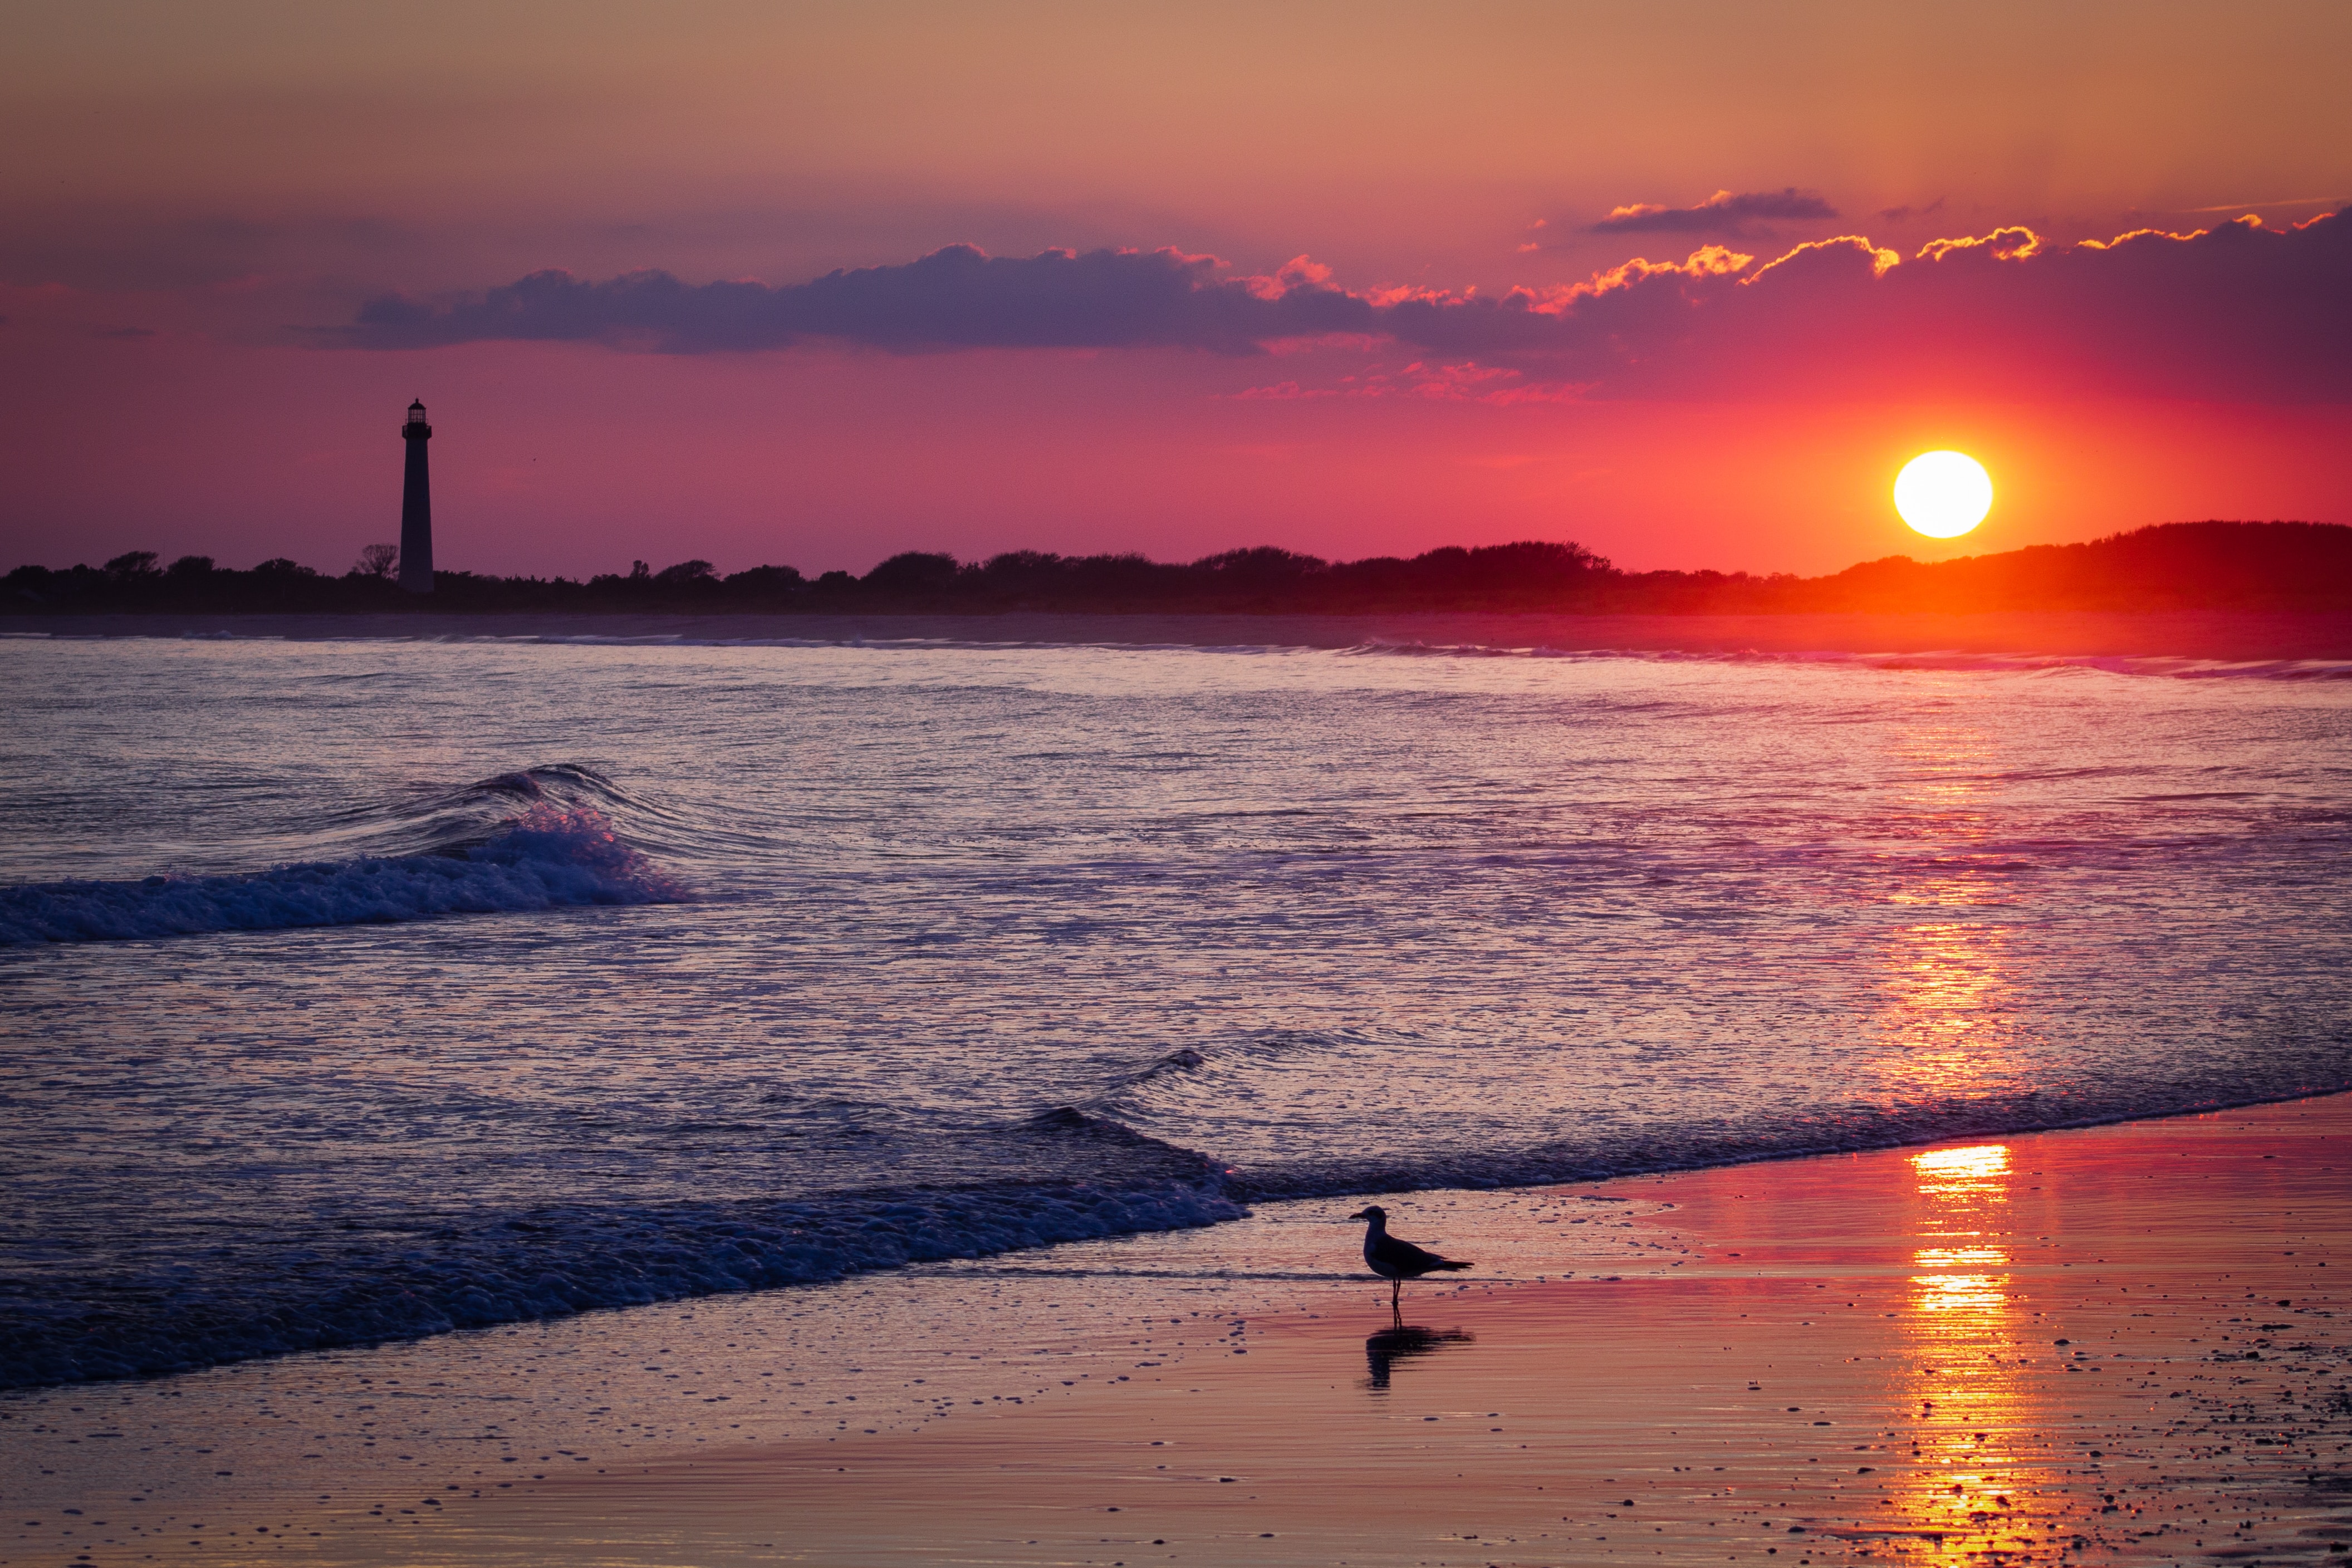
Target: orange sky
194,195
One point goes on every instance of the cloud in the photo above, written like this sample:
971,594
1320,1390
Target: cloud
2257,206
1722,213
2236,312
957,297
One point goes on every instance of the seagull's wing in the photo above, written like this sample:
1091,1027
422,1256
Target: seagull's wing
1405,1258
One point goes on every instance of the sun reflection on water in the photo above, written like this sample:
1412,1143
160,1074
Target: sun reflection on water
1961,1327
1946,983
1945,1171
1948,1005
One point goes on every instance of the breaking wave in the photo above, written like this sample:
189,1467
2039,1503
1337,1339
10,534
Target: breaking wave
469,852
413,1278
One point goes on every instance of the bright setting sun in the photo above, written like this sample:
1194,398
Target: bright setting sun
1943,494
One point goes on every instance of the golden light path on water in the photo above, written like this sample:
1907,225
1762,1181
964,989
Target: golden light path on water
1946,974
1962,1327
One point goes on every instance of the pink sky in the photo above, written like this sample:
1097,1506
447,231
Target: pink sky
203,208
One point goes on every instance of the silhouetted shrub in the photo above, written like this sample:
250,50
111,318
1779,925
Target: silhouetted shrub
913,572
765,581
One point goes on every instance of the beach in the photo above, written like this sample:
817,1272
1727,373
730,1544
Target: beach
2119,1343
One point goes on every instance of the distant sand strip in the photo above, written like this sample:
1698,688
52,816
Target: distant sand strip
2218,635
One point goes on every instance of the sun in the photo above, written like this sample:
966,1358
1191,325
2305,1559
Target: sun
1943,494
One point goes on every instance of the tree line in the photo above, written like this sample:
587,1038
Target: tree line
2168,566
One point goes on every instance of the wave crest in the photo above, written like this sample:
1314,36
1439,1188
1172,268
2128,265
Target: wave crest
551,856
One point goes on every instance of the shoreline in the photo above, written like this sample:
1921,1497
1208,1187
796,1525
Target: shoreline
2226,634
1911,1298
1176,1234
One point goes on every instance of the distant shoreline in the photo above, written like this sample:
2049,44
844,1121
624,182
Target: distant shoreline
2174,566
2211,635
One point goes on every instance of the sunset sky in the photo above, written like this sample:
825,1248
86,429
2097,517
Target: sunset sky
1663,278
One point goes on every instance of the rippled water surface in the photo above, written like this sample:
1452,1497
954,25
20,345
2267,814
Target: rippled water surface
357,989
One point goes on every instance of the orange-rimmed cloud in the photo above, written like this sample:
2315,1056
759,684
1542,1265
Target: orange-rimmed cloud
1844,247
2240,311
1724,212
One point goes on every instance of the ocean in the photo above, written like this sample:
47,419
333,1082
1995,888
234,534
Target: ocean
364,989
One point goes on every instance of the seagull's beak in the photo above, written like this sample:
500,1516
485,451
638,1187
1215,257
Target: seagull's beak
1360,1213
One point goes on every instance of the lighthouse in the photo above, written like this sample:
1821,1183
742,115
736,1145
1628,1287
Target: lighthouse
416,505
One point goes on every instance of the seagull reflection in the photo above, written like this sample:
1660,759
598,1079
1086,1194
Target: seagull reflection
1403,1342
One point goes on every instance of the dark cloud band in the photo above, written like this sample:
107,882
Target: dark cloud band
956,298
2242,312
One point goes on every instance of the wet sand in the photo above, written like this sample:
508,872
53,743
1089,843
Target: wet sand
2114,1344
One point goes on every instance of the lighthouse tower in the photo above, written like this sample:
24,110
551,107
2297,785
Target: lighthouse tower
416,506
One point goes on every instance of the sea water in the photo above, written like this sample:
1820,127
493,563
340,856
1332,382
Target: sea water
361,990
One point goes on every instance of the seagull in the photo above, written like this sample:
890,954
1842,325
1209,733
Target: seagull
1393,1260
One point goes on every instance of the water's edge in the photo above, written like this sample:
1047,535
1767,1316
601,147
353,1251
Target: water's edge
495,1272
